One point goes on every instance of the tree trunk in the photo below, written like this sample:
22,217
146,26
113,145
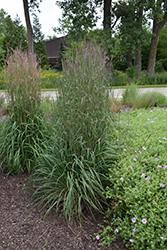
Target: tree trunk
107,15
107,29
109,66
152,54
129,59
154,43
136,58
138,61
29,27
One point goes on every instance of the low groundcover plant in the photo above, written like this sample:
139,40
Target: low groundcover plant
138,190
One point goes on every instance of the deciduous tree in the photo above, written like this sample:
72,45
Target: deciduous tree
39,43
162,47
159,16
131,29
81,16
29,27
14,34
32,4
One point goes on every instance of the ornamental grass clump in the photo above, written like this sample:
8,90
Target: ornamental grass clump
22,131
73,172
84,104
22,75
135,99
130,95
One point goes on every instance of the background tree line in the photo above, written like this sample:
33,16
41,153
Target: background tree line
13,34
126,28
127,36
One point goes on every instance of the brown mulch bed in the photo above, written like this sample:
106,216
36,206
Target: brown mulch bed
23,227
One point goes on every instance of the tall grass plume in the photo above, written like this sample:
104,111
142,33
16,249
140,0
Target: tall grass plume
22,132
22,75
73,172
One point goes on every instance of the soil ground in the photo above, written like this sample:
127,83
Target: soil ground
23,227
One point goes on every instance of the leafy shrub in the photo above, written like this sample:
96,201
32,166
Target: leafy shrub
132,72
161,78
156,79
138,182
22,132
2,80
72,172
147,80
50,79
122,79
159,66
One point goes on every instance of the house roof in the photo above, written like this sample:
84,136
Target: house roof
52,46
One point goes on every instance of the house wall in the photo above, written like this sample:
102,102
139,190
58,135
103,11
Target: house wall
52,49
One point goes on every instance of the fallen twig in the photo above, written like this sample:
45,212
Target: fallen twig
41,236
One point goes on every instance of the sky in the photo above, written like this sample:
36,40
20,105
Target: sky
48,18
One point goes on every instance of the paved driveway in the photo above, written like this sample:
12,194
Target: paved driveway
116,92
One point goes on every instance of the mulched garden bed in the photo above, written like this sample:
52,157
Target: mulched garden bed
23,227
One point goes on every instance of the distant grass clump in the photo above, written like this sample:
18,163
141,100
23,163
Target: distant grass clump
130,95
2,100
138,188
133,98
73,172
22,132
150,99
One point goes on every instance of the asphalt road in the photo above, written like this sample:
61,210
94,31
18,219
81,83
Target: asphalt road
116,92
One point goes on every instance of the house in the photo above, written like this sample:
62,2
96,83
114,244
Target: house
52,49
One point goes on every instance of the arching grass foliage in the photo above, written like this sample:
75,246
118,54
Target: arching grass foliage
73,172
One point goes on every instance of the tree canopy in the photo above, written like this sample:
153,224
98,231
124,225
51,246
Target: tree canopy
79,16
12,34
39,42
